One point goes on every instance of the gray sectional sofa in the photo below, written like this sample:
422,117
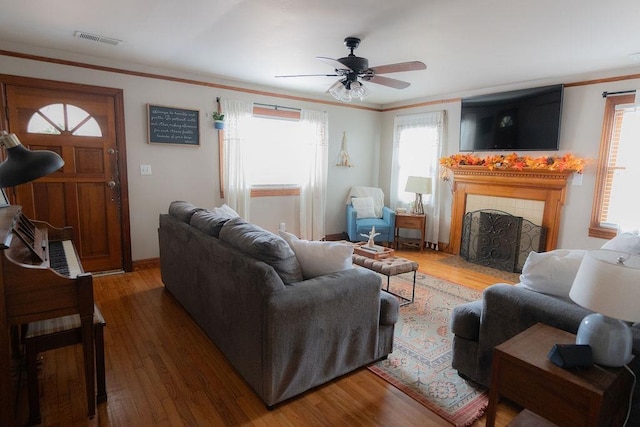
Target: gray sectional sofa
243,286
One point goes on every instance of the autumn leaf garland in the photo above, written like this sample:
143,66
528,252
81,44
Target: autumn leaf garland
517,162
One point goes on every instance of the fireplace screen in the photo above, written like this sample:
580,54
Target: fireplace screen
499,240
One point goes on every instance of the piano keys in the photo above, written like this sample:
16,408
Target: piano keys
31,289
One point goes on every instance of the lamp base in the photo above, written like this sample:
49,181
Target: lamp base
610,339
418,209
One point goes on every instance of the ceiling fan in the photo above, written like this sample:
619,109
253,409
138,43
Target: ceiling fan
353,68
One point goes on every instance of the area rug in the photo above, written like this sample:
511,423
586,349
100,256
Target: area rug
420,364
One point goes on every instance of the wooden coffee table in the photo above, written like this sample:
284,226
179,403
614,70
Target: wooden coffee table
523,373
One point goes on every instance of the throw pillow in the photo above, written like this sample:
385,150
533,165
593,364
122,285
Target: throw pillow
624,242
551,272
364,207
209,222
319,258
264,246
226,210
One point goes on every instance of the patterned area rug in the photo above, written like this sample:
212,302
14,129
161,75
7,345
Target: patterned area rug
420,364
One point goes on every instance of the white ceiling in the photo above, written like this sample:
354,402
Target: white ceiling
467,45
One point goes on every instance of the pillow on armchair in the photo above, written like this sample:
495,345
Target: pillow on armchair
624,242
551,272
364,207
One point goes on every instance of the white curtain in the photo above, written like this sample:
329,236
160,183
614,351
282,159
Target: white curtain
426,163
237,192
313,193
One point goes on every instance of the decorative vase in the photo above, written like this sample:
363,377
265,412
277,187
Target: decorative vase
218,124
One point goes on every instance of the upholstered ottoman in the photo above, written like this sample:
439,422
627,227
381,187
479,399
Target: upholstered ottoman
390,266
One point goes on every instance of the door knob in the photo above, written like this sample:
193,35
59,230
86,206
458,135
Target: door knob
111,184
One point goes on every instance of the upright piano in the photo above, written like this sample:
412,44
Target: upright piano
41,278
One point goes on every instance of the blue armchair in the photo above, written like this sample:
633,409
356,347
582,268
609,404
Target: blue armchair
373,214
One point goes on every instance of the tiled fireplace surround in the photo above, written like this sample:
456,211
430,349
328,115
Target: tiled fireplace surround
536,195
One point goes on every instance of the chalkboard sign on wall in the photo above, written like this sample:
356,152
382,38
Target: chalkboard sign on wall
168,125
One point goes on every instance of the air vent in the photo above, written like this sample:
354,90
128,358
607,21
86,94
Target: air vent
98,38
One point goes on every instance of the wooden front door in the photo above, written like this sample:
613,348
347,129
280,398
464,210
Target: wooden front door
80,124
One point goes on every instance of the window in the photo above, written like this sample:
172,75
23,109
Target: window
56,119
311,135
416,152
615,198
414,157
417,148
275,146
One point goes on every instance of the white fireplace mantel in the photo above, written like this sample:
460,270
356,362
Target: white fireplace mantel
544,185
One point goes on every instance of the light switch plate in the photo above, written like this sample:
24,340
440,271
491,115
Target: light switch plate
145,169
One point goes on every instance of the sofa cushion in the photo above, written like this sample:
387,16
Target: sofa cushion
364,207
319,258
183,211
263,245
551,272
624,242
209,222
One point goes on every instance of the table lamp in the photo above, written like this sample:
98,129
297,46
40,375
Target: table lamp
608,282
23,165
419,185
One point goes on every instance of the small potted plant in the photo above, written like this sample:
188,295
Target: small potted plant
218,120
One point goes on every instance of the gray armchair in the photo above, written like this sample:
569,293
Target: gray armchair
362,218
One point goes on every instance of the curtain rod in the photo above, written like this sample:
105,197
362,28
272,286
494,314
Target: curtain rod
622,92
275,107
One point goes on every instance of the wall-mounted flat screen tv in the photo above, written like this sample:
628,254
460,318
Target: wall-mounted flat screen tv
527,119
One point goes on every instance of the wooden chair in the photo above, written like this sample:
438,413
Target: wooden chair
60,332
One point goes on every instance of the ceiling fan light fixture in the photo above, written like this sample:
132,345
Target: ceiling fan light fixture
358,90
339,91
346,90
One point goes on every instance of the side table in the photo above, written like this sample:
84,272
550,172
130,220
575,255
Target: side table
410,221
522,373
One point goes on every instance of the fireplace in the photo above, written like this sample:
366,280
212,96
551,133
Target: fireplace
497,239
543,185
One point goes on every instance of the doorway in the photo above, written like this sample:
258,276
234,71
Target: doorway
85,126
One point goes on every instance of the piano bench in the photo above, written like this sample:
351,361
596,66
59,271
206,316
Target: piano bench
55,333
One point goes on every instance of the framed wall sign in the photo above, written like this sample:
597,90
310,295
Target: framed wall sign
169,125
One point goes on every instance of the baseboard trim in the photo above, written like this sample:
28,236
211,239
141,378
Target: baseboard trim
145,264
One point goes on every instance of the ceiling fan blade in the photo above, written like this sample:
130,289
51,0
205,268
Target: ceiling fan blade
310,75
400,66
334,63
386,81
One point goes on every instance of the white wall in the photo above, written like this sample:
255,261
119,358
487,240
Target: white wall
582,114
191,173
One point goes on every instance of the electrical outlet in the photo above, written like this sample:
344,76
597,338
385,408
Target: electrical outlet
145,169
576,179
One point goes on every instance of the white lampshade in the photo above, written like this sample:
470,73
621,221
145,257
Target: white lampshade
607,286
418,184
608,282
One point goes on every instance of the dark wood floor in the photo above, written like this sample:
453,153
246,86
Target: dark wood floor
163,371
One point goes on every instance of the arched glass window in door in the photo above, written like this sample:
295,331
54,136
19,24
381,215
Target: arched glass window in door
58,119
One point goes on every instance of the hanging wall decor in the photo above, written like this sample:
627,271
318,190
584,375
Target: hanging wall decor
343,157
